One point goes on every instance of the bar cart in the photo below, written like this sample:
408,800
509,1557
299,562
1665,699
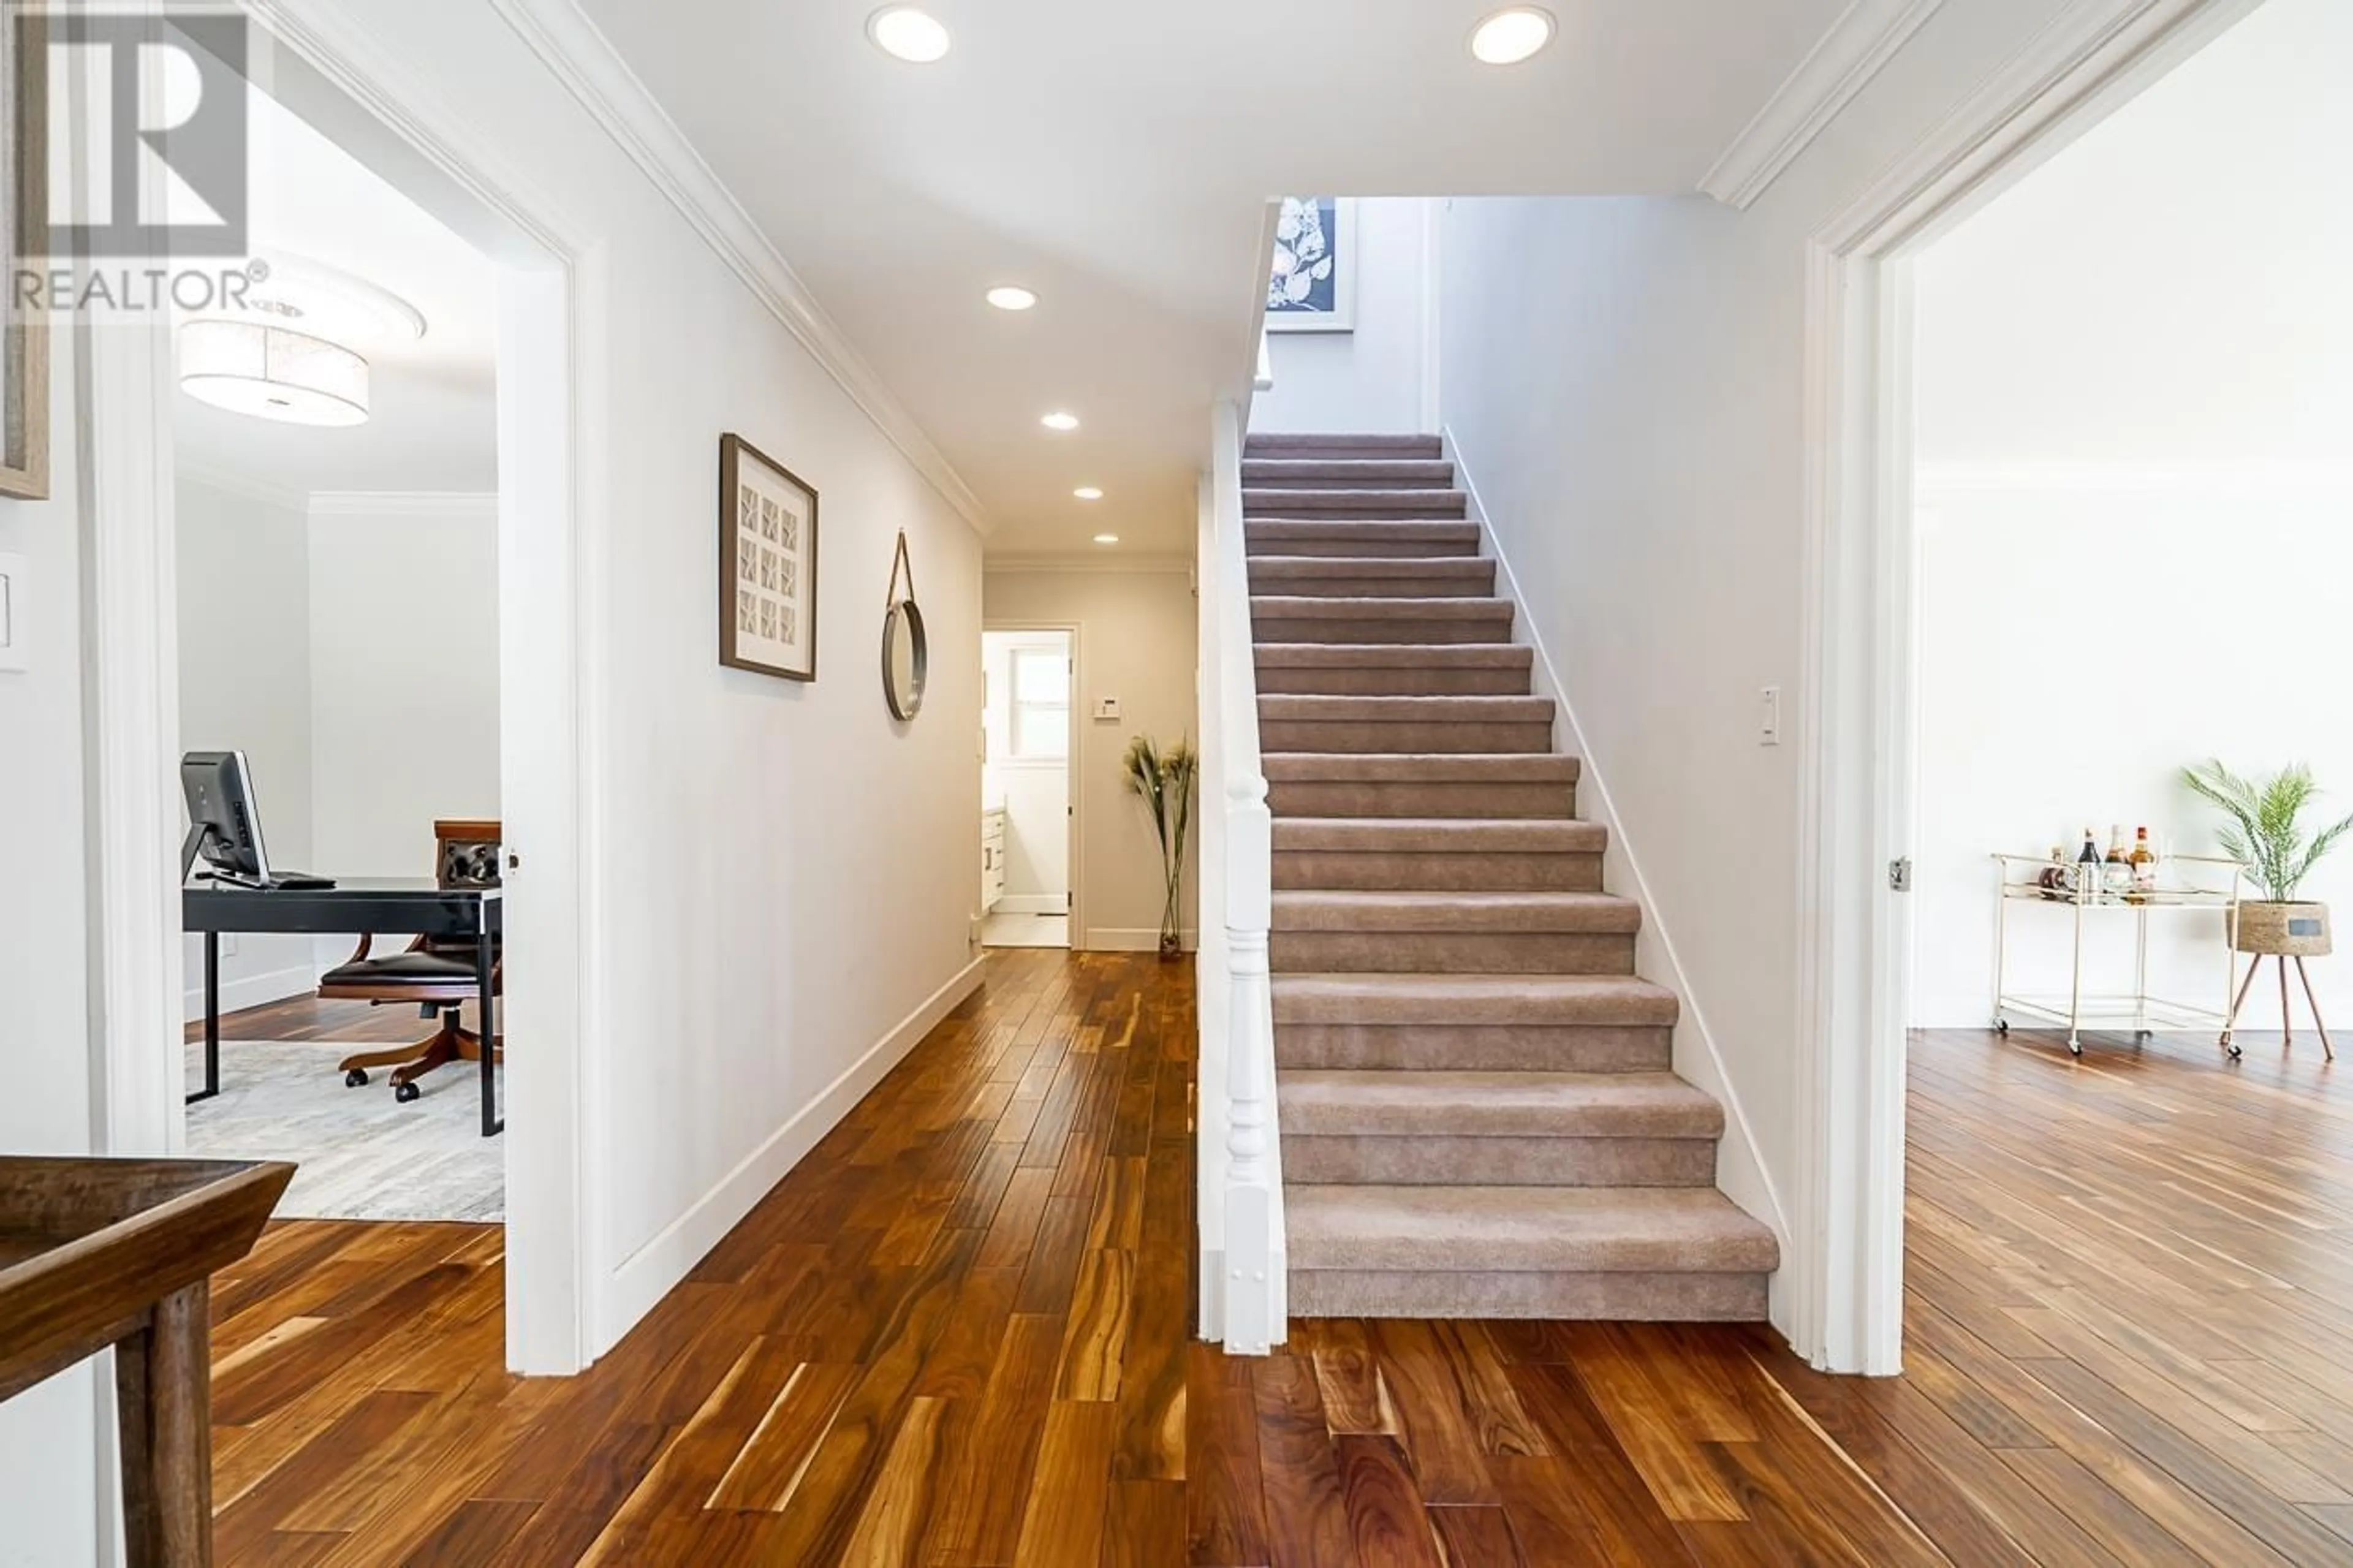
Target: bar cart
2211,882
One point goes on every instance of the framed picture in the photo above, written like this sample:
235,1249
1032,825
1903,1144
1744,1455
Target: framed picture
1313,286
768,564
23,219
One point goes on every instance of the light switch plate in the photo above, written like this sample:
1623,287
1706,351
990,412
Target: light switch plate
15,651
1768,716
1106,707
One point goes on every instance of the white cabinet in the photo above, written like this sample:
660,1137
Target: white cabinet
992,859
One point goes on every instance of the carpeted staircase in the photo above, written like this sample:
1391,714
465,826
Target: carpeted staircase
1478,1113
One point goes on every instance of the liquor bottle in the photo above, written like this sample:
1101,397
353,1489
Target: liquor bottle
2087,869
2144,863
2117,873
2055,879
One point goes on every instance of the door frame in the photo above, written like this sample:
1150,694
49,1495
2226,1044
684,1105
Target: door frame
551,287
1074,853
1857,790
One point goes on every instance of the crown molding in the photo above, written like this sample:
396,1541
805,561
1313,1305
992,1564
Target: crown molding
405,503
584,61
205,476
1864,38
1156,566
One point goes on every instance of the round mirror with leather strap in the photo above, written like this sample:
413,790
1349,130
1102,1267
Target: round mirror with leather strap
906,654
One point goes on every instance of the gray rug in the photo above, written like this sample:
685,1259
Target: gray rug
360,1154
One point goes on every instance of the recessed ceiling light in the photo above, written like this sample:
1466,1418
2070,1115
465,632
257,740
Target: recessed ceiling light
1088,493
1059,420
1008,297
1511,36
1106,538
904,33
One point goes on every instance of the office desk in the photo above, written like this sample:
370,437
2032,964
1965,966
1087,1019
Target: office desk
373,905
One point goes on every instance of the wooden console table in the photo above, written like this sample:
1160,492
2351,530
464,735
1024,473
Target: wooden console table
120,1252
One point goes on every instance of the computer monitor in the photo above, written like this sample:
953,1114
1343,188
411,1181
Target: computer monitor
224,822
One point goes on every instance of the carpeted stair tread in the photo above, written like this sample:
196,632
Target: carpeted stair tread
1446,1103
1369,471
1439,836
1419,767
1370,501
1298,709
1350,444
1394,656
1460,912
1347,576
1325,607
1472,1001
1326,533
1425,1229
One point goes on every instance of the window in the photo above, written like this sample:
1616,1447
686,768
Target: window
1041,704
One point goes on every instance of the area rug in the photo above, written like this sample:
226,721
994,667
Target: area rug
359,1155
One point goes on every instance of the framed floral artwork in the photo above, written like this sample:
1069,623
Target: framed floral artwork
768,564
1313,288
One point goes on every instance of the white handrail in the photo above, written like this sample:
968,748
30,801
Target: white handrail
1243,1294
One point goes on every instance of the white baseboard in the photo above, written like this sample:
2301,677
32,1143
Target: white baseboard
250,991
1132,939
1740,1163
646,1276
1031,904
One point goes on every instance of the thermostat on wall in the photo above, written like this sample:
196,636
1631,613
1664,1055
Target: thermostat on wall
1106,707
14,654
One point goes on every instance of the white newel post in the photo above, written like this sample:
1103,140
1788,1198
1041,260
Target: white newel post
1251,1291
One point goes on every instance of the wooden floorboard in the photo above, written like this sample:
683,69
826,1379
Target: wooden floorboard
959,1333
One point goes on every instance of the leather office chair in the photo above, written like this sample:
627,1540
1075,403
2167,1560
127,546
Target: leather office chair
437,974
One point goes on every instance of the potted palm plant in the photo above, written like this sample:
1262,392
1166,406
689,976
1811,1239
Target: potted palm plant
2267,834
1164,780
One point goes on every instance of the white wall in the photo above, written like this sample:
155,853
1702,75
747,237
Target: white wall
49,1443
2136,370
1136,642
1036,795
2035,721
245,685
1369,380
1623,378
404,648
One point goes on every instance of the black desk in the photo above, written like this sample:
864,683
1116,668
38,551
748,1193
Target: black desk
356,904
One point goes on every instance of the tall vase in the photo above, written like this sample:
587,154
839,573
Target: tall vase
1172,931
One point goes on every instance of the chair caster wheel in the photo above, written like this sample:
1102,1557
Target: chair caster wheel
356,1077
406,1093
2001,1025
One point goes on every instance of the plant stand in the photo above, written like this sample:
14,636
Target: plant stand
2287,1026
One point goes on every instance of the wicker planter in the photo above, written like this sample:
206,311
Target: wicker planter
2286,931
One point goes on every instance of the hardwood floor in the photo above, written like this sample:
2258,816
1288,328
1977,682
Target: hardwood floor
958,1334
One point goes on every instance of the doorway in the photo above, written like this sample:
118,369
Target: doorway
326,78
1027,811
1860,789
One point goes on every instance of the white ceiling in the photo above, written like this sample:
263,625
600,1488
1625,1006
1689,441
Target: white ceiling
434,420
1116,159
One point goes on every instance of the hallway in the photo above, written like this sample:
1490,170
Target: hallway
958,1334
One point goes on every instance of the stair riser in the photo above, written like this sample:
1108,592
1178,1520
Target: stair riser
1259,544
1455,738
1446,952
1520,871
1385,629
1481,586
1442,1161
1316,447
1453,801
1392,680
1432,1048
1636,1298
